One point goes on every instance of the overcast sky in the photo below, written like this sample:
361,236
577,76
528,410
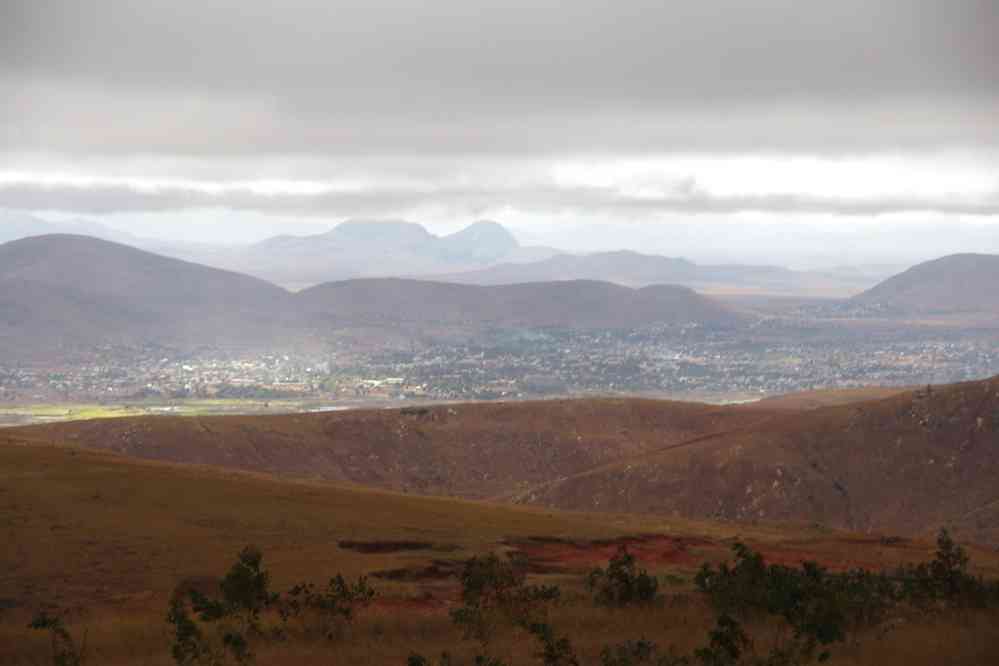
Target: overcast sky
786,130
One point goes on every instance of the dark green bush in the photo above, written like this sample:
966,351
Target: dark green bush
727,643
945,580
622,583
189,644
244,593
555,650
813,604
328,608
493,591
65,649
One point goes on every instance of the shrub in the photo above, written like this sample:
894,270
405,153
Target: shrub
727,643
809,601
555,650
329,608
235,613
65,650
494,590
945,580
622,583
189,644
245,593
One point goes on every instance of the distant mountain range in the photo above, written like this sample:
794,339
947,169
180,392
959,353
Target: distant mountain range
65,292
636,269
483,253
959,283
14,226
377,248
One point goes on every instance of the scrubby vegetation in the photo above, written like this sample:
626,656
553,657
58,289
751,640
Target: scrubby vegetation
493,591
622,583
238,613
807,609
66,651
759,613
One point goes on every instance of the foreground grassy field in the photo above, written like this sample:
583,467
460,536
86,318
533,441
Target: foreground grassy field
103,540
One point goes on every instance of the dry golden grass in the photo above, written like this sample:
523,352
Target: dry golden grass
104,539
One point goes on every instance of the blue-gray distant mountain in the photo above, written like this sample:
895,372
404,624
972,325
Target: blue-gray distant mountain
636,269
15,225
382,248
958,283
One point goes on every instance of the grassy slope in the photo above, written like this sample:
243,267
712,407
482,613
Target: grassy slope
471,450
106,538
909,463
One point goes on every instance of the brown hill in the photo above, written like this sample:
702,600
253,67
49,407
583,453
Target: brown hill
569,304
908,463
959,283
471,450
814,399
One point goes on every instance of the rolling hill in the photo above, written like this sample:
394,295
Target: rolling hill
955,284
472,450
569,304
66,292
907,464
637,270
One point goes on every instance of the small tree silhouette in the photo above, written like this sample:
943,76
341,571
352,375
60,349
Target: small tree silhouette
65,651
622,583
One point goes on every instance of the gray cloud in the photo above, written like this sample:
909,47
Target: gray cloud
449,110
254,77
464,201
